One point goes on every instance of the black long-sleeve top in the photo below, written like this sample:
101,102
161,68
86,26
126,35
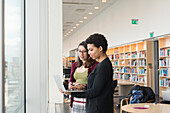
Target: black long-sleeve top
99,91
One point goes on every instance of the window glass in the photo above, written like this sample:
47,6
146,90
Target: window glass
14,56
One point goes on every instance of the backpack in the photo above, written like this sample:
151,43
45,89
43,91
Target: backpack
137,96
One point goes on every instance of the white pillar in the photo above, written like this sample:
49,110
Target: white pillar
1,57
55,49
36,56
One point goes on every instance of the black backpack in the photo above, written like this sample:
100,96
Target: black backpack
141,94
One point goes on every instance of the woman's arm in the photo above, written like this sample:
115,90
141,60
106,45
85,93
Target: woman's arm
73,68
101,74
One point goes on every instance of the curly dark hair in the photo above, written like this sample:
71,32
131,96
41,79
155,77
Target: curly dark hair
90,62
98,40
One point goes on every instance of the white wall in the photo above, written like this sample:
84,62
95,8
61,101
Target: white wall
115,23
55,49
36,56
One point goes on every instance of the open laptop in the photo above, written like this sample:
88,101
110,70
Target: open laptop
59,83
166,95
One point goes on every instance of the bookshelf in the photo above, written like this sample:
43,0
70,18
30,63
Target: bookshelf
164,64
68,61
130,63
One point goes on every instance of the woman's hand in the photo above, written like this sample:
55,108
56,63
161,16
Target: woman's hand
61,90
80,86
67,93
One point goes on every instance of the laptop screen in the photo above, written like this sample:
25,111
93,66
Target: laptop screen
166,95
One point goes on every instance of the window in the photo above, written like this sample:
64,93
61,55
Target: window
14,56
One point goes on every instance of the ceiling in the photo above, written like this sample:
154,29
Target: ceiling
76,13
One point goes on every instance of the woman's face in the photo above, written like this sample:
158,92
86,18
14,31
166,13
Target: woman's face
94,52
82,53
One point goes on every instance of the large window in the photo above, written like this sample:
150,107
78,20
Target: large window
14,56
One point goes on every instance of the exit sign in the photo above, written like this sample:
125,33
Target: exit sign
135,21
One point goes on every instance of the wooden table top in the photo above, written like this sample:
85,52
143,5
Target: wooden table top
147,108
121,82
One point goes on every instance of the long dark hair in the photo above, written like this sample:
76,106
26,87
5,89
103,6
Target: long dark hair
89,62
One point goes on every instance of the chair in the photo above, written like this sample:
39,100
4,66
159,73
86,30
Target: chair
148,95
114,86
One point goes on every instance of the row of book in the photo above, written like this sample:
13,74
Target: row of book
127,69
134,63
116,63
111,57
141,71
129,77
142,54
142,79
130,70
116,56
133,70
134,78
165,52
165,72
165,82
116,69
127,55
122,63
121,56
119,76
134,55
122,69
142,62
164,62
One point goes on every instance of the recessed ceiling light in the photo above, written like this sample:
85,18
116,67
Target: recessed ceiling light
104,0
71,29
81,21
69,32
80,10
96,7
74,27
90,13
69,22
85,17
77,24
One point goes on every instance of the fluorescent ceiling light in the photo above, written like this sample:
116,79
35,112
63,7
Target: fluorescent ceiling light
96,7
77,24
85,17
81,21
104,0
90,13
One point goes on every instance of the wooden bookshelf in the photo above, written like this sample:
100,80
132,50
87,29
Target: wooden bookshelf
164,64
68,61
131,61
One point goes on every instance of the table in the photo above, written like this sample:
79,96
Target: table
151,108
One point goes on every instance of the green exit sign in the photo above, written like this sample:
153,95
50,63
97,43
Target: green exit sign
151,34
135,21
